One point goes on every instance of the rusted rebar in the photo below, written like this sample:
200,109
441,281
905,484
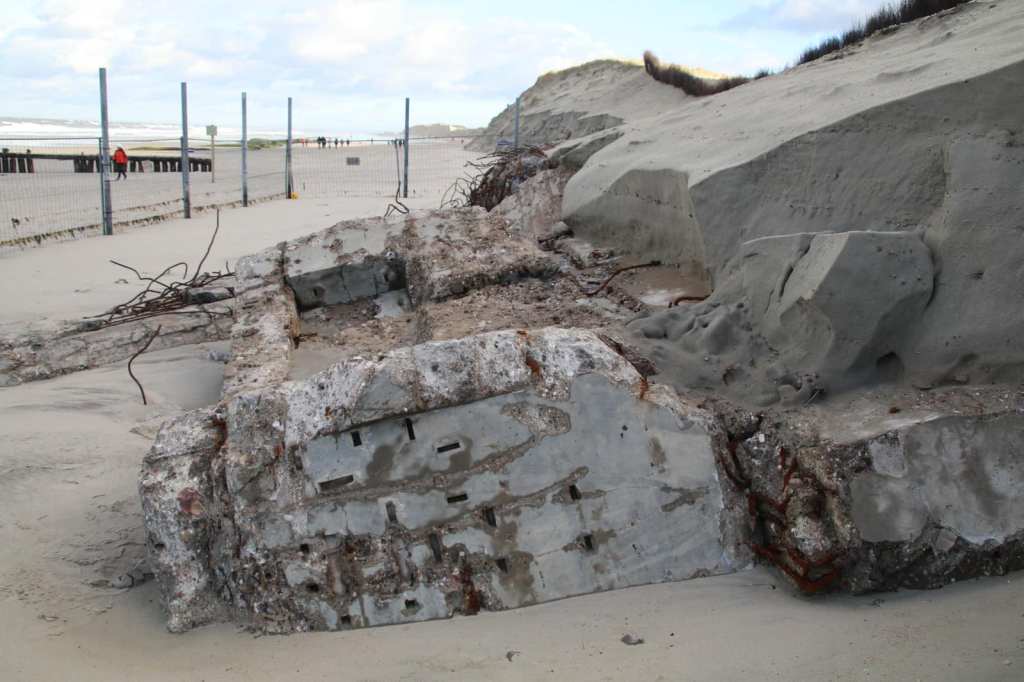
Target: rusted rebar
137,354
161,297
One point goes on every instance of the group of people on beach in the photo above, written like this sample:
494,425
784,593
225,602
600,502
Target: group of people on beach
325,142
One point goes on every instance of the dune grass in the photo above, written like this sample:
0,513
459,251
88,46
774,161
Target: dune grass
677,76
889,15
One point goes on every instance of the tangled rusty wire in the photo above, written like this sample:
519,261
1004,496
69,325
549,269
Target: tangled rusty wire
169,298
491,178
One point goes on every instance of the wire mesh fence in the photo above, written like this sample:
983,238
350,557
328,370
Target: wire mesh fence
436,162
222,185
374,167
355,168
50,188
55,188
149,188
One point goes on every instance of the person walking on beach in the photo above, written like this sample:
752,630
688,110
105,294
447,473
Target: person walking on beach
121,163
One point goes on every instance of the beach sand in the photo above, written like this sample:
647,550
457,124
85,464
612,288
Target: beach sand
70,522
55,198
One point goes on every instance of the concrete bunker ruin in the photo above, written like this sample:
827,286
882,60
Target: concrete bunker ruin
491,471
422,416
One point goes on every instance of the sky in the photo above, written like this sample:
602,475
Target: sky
349,64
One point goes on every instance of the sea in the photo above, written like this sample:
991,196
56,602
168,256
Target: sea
72,132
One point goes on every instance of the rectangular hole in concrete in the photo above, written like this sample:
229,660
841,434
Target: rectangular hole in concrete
574,492
392,512
435,546
336,484
411,605
588,542
449,447
458,497
490,517
357,439
502,564
346,620
409,429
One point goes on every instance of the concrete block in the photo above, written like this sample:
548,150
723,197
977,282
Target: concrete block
428,483
181,517
868,500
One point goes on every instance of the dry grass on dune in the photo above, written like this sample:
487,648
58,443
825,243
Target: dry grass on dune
889,15
893,14
677,76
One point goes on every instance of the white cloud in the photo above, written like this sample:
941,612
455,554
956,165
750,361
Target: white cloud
157,55
200,67
329,52
344,29
398,45
805,15
93,16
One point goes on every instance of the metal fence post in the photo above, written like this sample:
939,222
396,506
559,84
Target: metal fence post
108,213
185,193
245,150
213,157
288,155
405,183
516,137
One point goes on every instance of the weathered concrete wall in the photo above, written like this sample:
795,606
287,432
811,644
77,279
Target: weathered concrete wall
932,498
434,254
483,473
352,260
181,511
963,474
47,351
267,323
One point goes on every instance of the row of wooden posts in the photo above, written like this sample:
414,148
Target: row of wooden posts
13,162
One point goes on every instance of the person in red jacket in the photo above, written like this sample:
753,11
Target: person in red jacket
121,163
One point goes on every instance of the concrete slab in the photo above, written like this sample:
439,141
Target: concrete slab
488,472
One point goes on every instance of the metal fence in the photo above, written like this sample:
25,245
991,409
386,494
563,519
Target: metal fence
52,189
374,167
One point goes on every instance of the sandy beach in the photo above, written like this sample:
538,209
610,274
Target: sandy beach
56,199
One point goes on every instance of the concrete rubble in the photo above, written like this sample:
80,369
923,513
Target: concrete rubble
49,350
461,410
392,476
480,472
882,491
491,472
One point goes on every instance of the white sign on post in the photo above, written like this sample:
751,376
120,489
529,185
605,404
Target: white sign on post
212,132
